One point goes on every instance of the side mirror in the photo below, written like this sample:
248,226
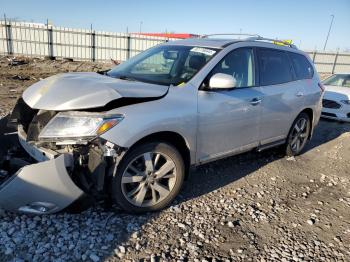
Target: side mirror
222,81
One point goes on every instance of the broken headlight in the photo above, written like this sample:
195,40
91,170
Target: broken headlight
78,125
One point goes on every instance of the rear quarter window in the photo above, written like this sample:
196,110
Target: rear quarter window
302,67
274,67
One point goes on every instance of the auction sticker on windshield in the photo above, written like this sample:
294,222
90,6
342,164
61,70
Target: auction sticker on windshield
202,50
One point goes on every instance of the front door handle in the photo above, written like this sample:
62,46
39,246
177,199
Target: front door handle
255,101
299,94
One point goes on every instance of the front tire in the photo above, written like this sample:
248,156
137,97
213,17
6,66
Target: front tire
298,135
148,178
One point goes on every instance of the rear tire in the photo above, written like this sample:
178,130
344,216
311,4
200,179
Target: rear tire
298,135
148,178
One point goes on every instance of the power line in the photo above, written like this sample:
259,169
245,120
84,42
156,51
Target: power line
330,27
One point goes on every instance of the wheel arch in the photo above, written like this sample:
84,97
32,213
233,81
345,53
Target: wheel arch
310,113
174,139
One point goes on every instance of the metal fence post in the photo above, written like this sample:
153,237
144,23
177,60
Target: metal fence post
314,56
50,41
93,46
8,33
335,61
128,48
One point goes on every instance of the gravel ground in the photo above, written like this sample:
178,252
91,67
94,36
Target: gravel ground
252,207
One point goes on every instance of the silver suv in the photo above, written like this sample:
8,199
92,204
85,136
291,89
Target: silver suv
131,134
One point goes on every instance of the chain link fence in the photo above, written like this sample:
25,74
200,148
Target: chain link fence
39,40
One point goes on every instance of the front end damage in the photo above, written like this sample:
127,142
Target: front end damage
46,176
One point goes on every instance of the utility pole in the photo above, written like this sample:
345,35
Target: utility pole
330,27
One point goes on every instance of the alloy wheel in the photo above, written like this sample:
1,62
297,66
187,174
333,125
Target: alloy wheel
148,179
299,135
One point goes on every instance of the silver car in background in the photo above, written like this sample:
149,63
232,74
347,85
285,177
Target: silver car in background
132,134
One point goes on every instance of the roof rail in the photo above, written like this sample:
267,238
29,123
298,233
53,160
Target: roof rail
255,37
283,42
250,35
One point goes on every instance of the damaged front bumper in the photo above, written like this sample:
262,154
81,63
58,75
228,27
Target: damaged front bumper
41,188
52,175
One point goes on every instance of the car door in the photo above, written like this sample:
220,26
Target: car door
228,120
282,96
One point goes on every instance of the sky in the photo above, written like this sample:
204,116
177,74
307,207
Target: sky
305,22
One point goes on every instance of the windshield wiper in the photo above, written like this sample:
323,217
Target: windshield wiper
103,72
124,77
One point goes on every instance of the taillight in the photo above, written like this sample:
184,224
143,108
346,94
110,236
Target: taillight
321,86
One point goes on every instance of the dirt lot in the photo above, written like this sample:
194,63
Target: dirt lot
252,207
16,74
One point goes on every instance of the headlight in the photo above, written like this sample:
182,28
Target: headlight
78,125
347,102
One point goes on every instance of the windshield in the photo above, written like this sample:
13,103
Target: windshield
164,65
338,80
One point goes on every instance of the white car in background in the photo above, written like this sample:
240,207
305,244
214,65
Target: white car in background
336,100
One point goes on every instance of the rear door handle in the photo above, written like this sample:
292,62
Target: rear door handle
299,94
255,101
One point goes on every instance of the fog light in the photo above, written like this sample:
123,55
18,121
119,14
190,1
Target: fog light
38,208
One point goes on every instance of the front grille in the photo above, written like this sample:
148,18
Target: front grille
330,104
328,114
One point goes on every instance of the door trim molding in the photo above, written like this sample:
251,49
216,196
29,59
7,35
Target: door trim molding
225,154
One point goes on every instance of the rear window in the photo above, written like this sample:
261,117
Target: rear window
302,67
274,66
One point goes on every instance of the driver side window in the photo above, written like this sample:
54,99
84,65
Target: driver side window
238,64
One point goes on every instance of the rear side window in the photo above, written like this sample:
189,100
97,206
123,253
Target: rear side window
302,67
274,67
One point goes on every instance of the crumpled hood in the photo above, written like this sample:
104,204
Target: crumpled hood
72,91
